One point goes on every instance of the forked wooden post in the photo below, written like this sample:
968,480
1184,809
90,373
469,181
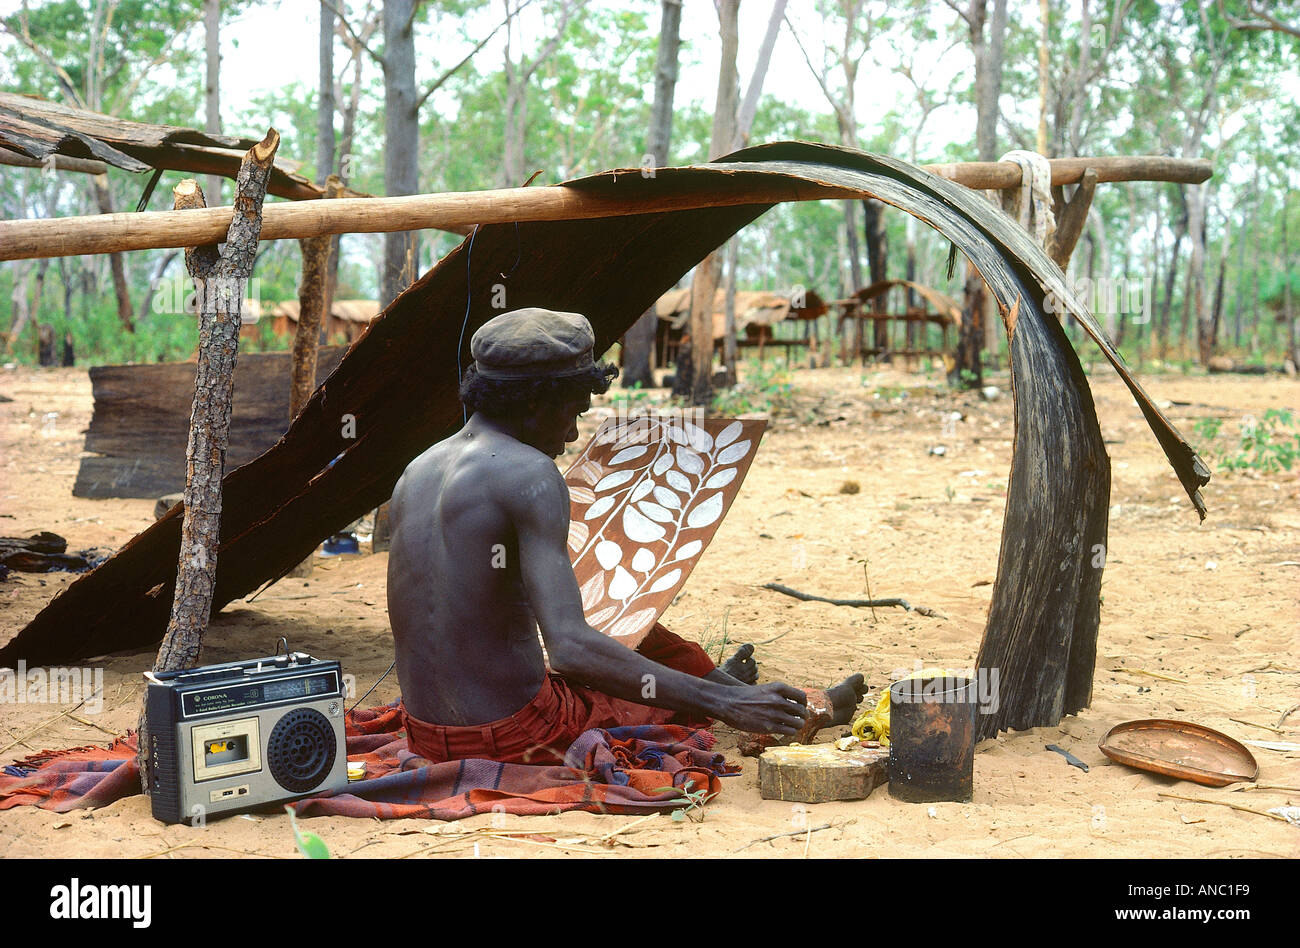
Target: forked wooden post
219,279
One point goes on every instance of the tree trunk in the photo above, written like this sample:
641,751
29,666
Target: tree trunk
401,141
917,332
1171,276
729,314
1205,330
873,226
125,312
988,87
852,336
325,105
969,370
349,132
1288,302
212,88
749,106
639,341
18,304
1216,311
220,280
708,273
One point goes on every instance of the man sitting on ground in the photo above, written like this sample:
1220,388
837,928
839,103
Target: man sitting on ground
479,561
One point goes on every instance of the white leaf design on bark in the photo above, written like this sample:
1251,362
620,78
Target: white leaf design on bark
687,550
628,454
668,498
616,479
678,481
599,508
662,463
593,591
639,529
698,438
655,512
604,615
578,534
677,436
622,585
735,452
665,581
629,625
641,490
729,434
643,560
608,554
692,463
706,512
721,478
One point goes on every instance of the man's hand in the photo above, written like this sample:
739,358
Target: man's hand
774,708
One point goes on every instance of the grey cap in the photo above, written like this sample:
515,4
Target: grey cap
532,343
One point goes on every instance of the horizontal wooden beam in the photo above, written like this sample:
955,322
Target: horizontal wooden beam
105,233
59,162
1000,175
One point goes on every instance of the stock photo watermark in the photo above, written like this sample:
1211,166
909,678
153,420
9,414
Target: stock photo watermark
983,690
185,296
1107,297
80,685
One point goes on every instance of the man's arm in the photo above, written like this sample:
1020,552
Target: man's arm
538,504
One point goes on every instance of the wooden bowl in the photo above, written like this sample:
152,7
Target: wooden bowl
1180,749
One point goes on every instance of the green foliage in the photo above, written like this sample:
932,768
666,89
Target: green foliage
1268,444
761,387
1147,77
695,800
309,844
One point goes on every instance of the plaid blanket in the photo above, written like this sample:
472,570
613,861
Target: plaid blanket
619,770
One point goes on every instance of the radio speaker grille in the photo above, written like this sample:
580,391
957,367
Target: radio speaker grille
301,750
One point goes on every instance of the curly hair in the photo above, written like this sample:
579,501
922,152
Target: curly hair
509,398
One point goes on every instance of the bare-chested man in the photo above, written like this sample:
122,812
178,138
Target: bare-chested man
479,561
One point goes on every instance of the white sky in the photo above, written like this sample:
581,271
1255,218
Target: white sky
274,43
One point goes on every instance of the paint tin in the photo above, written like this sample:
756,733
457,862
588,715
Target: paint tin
932,739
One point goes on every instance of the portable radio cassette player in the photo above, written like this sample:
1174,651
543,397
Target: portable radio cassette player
242,734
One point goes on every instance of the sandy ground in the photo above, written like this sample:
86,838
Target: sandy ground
1213,606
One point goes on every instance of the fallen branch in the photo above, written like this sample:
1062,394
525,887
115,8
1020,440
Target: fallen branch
1265,727
1235,806
864,603
1287,713
242,852
1143,671
42,726
768,839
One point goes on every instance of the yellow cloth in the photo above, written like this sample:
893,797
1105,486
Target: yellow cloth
873,725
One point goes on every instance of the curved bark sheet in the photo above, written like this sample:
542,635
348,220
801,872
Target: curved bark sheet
399,381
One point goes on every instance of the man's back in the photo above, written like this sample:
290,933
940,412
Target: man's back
467,646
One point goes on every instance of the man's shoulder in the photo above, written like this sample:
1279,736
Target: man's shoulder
523,466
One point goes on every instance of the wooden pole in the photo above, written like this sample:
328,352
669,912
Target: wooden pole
105,233
220,279
57,162
1070,223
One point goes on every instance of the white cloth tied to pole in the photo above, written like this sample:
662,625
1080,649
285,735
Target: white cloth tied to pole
1031,204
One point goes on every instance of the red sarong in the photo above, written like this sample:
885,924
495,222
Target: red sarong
542,730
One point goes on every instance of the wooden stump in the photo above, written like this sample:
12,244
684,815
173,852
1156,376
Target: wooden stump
820,773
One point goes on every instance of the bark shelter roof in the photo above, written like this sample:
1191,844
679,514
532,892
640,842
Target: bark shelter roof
37,128
399,381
